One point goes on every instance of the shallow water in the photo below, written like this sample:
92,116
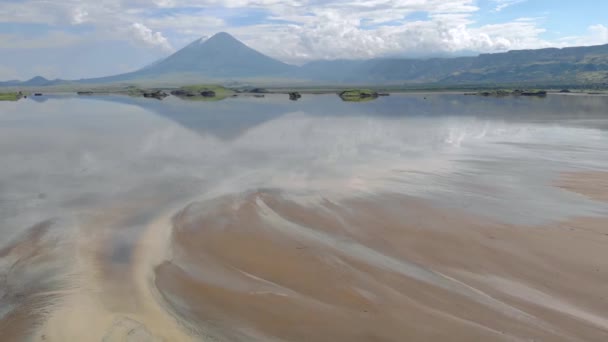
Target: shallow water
71,153
99,172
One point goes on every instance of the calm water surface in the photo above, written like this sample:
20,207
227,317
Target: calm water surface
63,156
71,160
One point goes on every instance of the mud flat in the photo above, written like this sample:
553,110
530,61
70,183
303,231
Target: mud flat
390,268
591,184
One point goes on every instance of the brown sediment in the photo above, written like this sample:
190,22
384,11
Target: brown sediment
388,268
591,184
261,266
26,290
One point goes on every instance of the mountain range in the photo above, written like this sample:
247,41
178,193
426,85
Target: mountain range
223,58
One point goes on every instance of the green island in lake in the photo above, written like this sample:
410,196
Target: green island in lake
10,96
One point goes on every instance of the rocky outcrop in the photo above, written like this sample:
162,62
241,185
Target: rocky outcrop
538,93
498,93
516,92
203,92
159,94
258,91
183,93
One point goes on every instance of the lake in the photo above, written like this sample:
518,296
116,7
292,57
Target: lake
411,217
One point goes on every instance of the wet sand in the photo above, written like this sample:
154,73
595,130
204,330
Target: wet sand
389,269
591,184
264,266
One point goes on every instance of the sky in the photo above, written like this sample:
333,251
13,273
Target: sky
74,39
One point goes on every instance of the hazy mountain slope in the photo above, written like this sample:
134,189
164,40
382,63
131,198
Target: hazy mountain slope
223,58
414,70
384,70
37,81
335,70
10,83
576,65
569,65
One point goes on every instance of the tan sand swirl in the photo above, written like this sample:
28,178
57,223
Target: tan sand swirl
391,268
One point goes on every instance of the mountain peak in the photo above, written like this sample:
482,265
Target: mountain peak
222,35
221,56
37,79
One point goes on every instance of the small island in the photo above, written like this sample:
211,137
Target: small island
506,92
11,96
358,95
203,92
132,91
294,96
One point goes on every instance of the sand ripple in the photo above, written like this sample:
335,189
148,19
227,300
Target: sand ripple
263,266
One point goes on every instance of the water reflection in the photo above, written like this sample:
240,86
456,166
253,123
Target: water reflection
276,188
77,151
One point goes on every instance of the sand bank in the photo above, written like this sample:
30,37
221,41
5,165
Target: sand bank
388,268
260,266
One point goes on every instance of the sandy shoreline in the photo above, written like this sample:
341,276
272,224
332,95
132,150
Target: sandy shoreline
591,184
258,266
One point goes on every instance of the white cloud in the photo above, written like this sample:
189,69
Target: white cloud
314,29
79,16
331,34
291,30
502,4
187,24
144,34
596,35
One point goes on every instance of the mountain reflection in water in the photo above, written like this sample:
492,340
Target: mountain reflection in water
412,217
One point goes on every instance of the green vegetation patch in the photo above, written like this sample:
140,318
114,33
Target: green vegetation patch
134,91
10,96
131,90
217,89
506,92
358,95
203,92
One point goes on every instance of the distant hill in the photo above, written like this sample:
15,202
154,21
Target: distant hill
553,66
10,83
574,65
224,58
37,81
385,70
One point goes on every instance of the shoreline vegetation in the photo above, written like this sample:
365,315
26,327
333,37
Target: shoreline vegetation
218,92
11,96
516,92
358,95
205,92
